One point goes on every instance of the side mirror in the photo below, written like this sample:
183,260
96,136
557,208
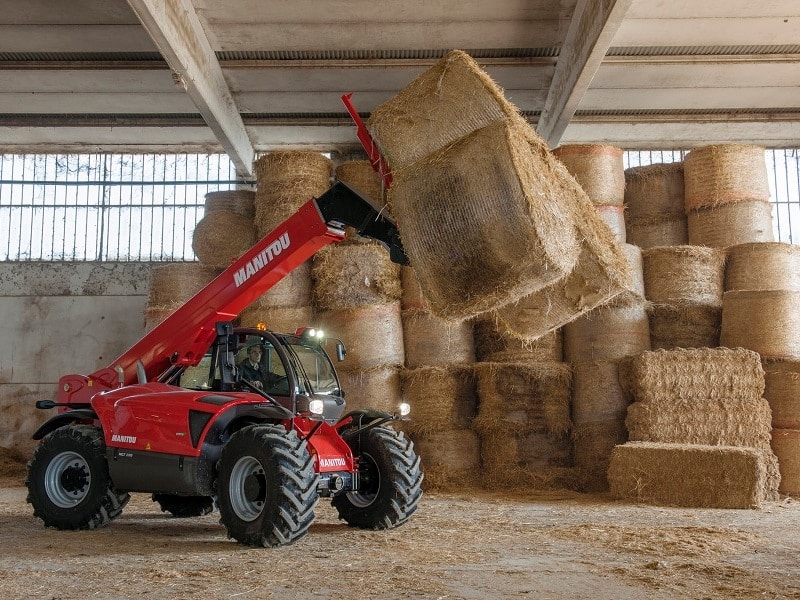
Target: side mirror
341,351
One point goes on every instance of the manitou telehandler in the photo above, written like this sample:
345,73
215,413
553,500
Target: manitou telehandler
175,417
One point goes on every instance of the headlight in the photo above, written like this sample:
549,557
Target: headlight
405,408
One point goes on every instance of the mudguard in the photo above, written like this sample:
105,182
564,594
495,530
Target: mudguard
65,418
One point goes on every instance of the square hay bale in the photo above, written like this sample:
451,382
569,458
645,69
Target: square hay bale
694,373
687,475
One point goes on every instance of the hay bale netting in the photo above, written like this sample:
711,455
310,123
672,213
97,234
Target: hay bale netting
349,275
684,325
448,101
661,230
725,173
765,321
411,292
373,335
786,445
432,341
240,202
675,274
493,343
694,374
782,391
731,224
524,398
763,266
286,181
451,459
376,388
441,398
283,319
464,269
689,475
295,289
221,237
598,168
654,190
614,217
597,395
608,334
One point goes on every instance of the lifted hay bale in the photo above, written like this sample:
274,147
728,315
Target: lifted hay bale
240,202
782,391
221,237
731,224
451,459
441,398
684,274
608,334
762,320
684,325
654,190
493,343
597,395
598,168
282,319
786,445
375,388
725,173
689,475
432,341
662,230
763,266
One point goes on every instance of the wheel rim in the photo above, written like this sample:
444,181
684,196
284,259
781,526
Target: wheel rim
67,479
370,482
248,488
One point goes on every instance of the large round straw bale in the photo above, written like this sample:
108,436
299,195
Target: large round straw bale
607,334
654,190
731,224
521,398
241,202
494,344
786,446
293,290
359,175
412,294
782,391
377,388
765,321
283,319
684,274
663,230
724,173
221,237
597,395
763,266
451,459
173,284
432,341
598,168
613,215
373,335
593,443
684,325
440,398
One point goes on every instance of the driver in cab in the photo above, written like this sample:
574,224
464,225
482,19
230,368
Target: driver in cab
254,370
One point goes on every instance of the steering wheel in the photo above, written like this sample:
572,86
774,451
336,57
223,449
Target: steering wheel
280,385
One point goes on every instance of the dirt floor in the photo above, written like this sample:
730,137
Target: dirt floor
469,545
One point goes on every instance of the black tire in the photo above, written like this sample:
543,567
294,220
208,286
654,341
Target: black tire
390,479
267,486
68,481
183,507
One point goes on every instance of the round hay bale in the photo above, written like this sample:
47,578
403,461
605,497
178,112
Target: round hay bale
725,173
765,321
360,175
597,395
786,446
731,224
684,274
684,325
451,459
411,292
607,334
654,190
598,168
523,398
664,230
441,399
633,255
221,237
763,266
173,284
593,443
282,319
432,341
351,275
293,290
286,181
782,391
240,202
377,388
614,216
494,344
373,335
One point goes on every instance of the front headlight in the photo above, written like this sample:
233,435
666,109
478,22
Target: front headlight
316,407
405,409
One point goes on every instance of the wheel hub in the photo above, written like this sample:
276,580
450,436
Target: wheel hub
67,479
74,479
254,487
247,488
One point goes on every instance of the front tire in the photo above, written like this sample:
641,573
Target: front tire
182,507
68,481
390,479
267,486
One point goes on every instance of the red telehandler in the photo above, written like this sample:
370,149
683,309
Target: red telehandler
175,417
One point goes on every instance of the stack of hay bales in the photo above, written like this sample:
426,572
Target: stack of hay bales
684,285
762,283
482,238
654,205
727,196
170,286
286,181
226,230
699,431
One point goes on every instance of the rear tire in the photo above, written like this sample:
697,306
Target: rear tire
267,486
390,479
68,481
183,507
